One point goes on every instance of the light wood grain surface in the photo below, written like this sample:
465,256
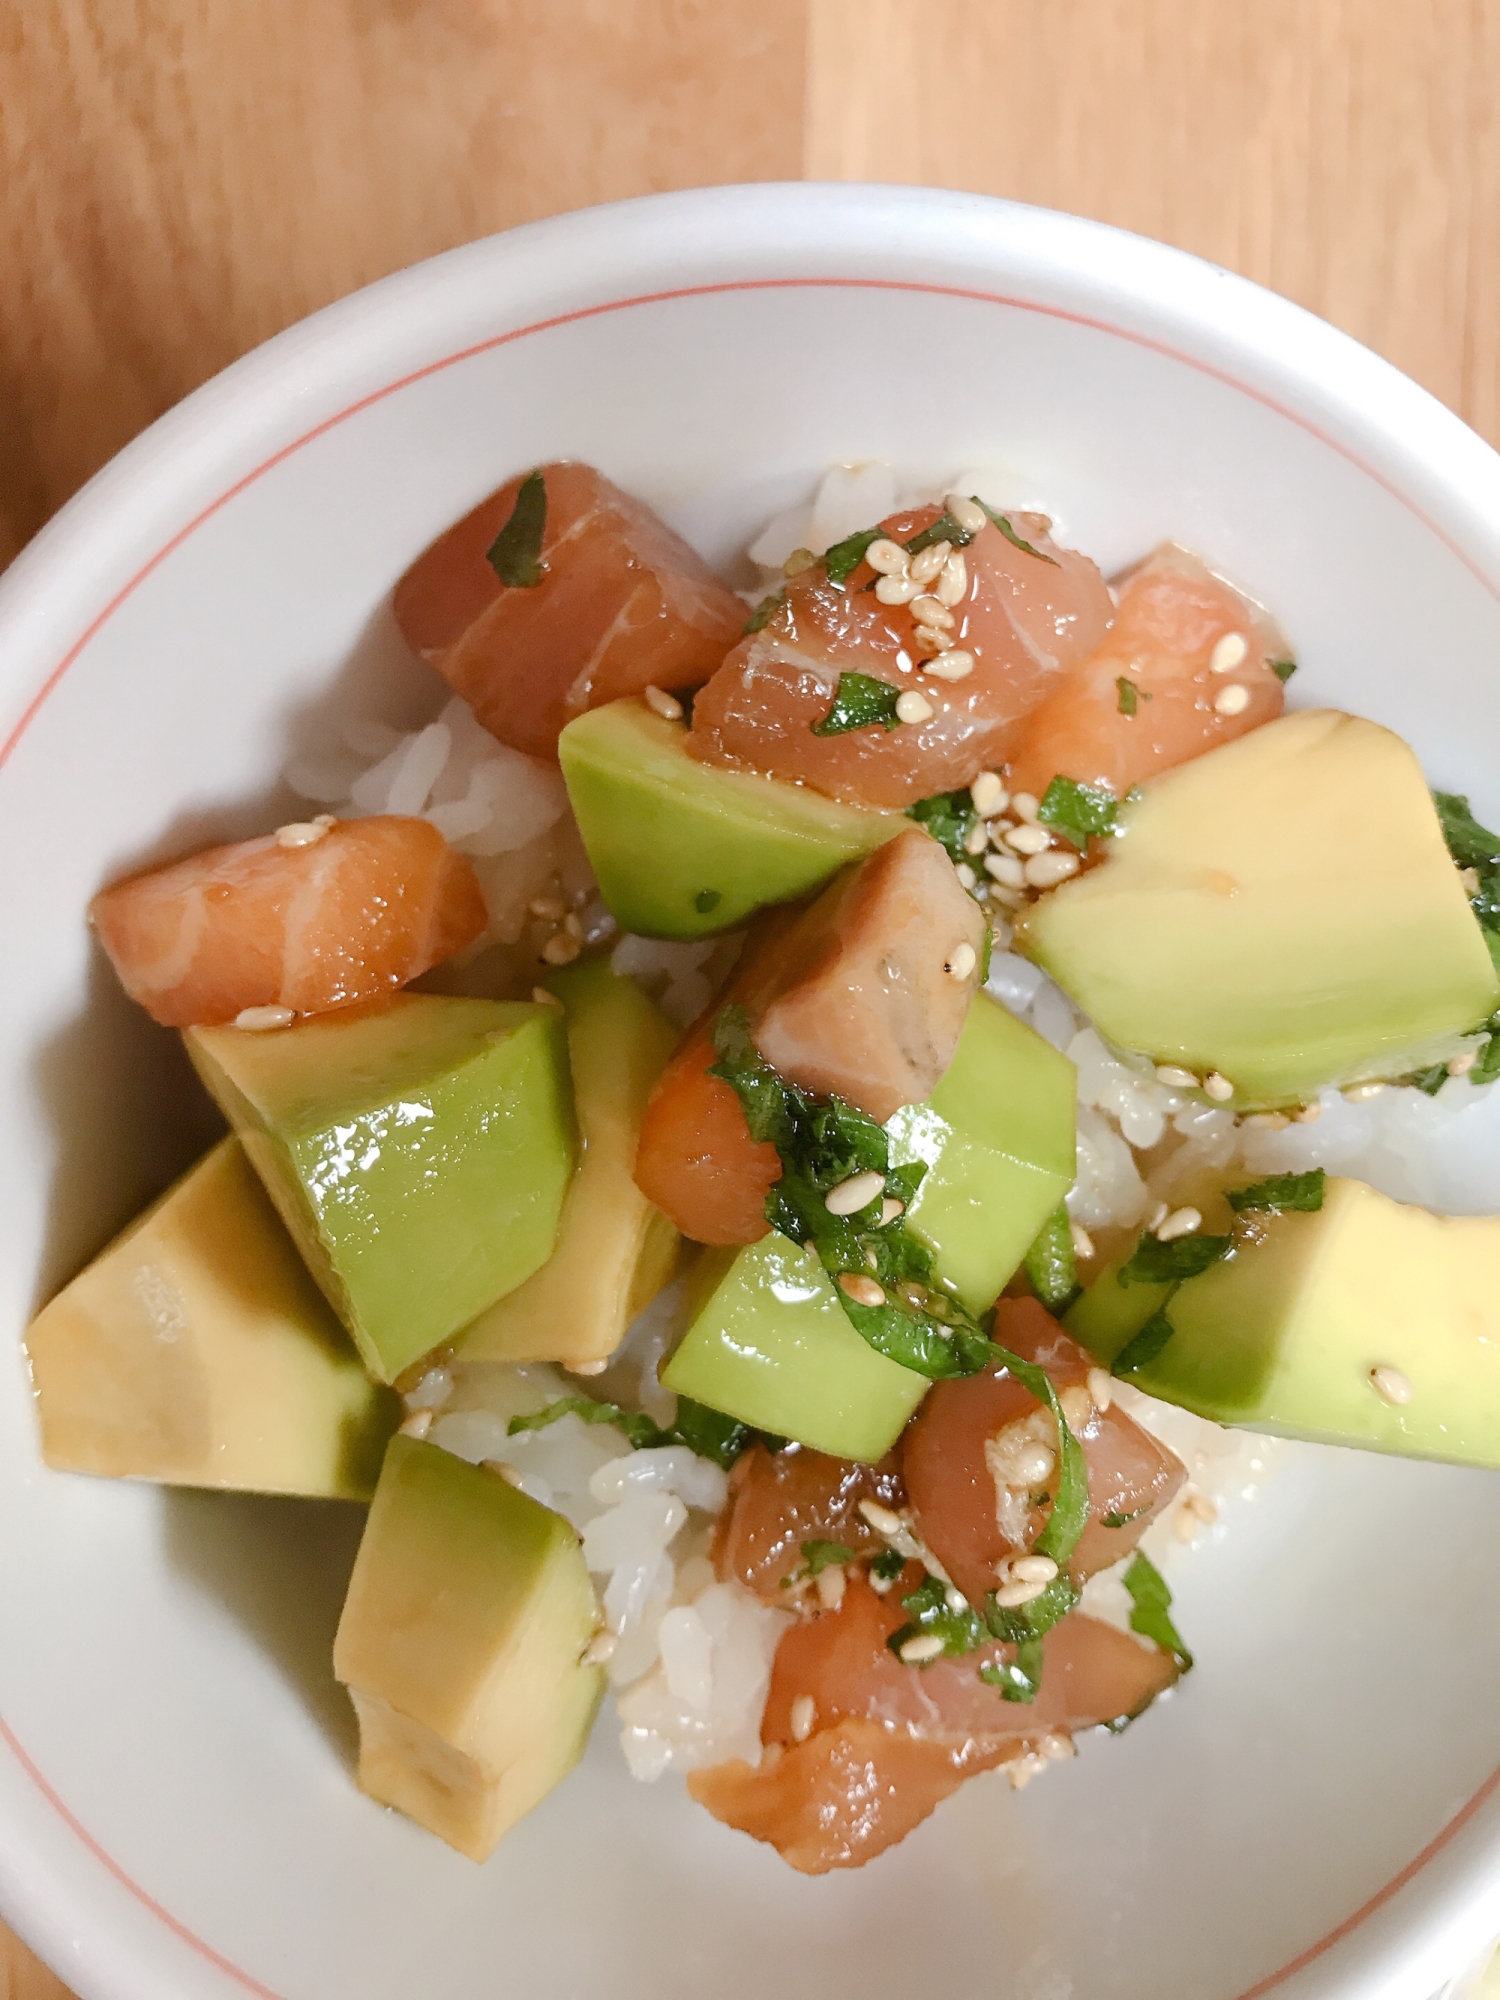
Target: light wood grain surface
181,178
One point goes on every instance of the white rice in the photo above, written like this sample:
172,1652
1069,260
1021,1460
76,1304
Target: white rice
689,1657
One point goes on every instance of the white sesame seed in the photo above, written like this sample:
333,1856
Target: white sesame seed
1010,899
989,794
560,949
797,561
667,706
1157,1217
890,1208
1021,1770
886,558
954,665
952,585
1022,1463
1083,1243
573,925
934,641
1101,1388
1218,1087
498,1467
1175,1077
831,1586
1006,868
1232,700
600,1649
303,833
1011,1596
966,874
1056,1747
1181,1222
1033,1569
1267,1121
1391,1385
804,1715
585,1367
1463,1063
1077,1406
881,1519
1309,1114
1045,871
955,1600
1228,653
552,909
965,513
1469,878
258,1019
418,1424
1360,1093
1025,805
1199,1503
977,839
913,707
927,564
897,589
1028,839
961,961
924,1647
863,1291
927,611
543,998
850,1196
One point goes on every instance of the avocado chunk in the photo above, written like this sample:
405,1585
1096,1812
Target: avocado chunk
684,850
997,1139
418,1150
1287,1332
461,1645
1282,910
196,1350
771,1345
615,1249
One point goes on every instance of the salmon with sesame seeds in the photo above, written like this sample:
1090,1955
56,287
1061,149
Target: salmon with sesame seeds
1024,616
779,1500
1186,666
620,603
317,917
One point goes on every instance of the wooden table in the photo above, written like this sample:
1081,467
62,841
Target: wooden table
181,178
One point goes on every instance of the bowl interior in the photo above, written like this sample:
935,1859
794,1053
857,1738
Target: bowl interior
176,1812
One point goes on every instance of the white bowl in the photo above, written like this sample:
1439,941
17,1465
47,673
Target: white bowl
1316,1812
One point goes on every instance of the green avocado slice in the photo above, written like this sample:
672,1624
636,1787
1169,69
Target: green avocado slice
686,850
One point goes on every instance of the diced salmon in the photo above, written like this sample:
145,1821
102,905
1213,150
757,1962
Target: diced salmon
1025,619
779,1500
959,1508
359,909
1098,730
873,981
624,604
695,1158
889,1741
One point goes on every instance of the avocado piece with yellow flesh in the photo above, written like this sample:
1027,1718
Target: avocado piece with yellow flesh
461,1644
196,1350
1286,1334
1282,910
685,850
615,1249
419,1151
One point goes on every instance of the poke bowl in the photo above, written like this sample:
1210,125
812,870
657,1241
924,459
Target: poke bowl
874,392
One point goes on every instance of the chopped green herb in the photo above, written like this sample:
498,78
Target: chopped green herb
929,1611
764,612
949,817
642,1432
1473,846
1003,524
1019,1623
1158,1263
845,557
1070,1512
888,1565
1488,1066
706,900
515,555
1297,1191
1077,811
1129,695
1431,1081
708,1432
1282,669
1146,1345
1150,1603
943,529
1122,1520
860,701
1051,1265
1020,1678
823,1555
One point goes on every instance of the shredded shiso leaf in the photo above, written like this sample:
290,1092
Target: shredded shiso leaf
515,555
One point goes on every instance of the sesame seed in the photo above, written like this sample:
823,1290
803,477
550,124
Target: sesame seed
1077,1406
863,1291
1469,877
1011,1596
913,707
1232,700
1360,1093
890,1208
924,1647
804,1715
977,839
797,561
881,1519
1006,868
967,513
258,1019
585,1367
303,833
1010,899
1045,871
1021,1770
955,1600
511,1474
1083,1244
552,909
1200,1504
560,949
1157,1217
966,874
573,925
897,589
1228,653
1218,1086
933,640
830,1587
1309,1114
1025,805
1462,1064
1267,1121
886,558
928,611
1018,1460
961,961
600,1649
1056,1747
989,794
928,564
954,665
952,584
1175,1077
1033,1569
1101,1388
543,998
1181,1222
667,706
850,1196
1028,839
1391,1385
418,1424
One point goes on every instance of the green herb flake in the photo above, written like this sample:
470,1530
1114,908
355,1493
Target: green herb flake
943,529
930,1612
823,1555
860,701
1078,812
1146,1345
515,555
708,1432
1488,1066
1302,1192
1282,669
1158,1263
1150,1604
1474,846
1431,1081
1002,522
1019,1624
888,1565
845,557
764,612
1051,1266
1114,1520
950,817
1128,695
706,900
1018,1679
